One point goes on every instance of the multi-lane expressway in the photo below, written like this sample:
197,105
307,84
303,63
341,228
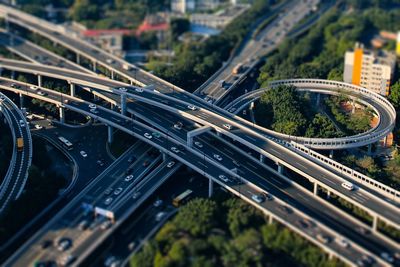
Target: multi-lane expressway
176,93
375,202
13,183
274,184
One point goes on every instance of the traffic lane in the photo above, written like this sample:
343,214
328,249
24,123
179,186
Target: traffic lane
254,140
311,229
326,177
66,219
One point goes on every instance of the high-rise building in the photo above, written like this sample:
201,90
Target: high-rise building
183,6
369,69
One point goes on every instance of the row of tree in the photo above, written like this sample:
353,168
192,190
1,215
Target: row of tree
207,233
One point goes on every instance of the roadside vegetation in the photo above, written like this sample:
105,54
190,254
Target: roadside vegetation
226,232
42,188
281,109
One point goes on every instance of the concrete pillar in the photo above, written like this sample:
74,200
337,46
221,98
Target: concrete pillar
94,66
270,219
110,134
210,187
39,81
262,158
369,149
318,99
315,191
385,141
328,195
112,75
62,115
78,59
251,105
375,223
164,157
21,100
123,104
13,75
280,168
72,89
331,154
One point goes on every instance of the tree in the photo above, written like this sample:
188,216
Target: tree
394,96
179,26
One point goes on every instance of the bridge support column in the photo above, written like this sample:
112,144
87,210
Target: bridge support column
210,187
94,66
385,141
164,156
315,191
375,223
331,154
353,106
318,99
280,168
62,115
123,104
78,59
13,75
328,194
270,219
191,134
39,81
369,149
72,89
262,158
252,105
112,75
110,131
21,100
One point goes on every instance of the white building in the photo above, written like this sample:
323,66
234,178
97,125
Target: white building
184,6
372,70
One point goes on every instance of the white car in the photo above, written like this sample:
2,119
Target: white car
33,87
22,123
342,242
128,178
83,154
223,178
198,144
148,136
170,164
139,90
108,201
42,93
178,125
110,61
227,126
258,198
92,106
118,191
174,149
158,203
217,157
349,186
386,256
123,89
160,215
37,126
191,107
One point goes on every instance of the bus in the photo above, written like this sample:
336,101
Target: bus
65,143
20,144
237,69
183,197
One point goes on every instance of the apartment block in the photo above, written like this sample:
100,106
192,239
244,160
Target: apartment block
370,69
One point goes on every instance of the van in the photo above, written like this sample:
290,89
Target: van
347,185
22,123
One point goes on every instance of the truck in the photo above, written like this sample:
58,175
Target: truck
237,69
20,144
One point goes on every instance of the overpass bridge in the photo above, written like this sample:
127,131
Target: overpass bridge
14,182
241,187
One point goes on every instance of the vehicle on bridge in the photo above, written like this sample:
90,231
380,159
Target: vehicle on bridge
65,143
20,144
237,69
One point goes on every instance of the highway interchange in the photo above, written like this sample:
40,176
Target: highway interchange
173,105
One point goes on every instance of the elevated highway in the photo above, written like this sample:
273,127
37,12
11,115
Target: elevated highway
282,154
382,107
245,188
14,182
